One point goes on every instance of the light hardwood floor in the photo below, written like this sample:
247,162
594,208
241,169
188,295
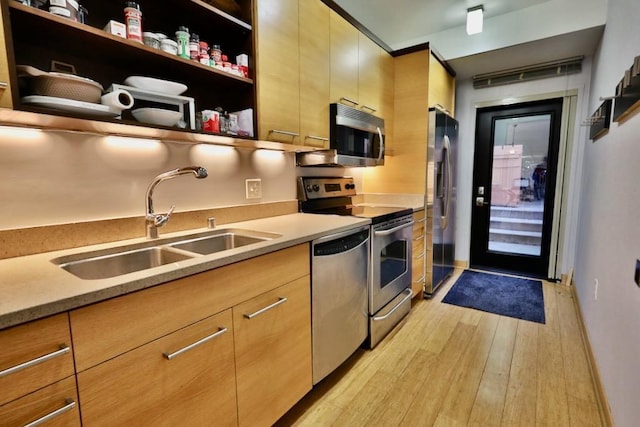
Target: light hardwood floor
453,366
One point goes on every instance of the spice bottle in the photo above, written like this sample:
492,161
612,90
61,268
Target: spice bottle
133,21
216,53
204,53
182,38
194,47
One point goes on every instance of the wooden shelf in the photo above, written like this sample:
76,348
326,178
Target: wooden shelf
50,122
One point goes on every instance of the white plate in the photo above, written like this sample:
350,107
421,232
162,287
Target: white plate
156,85
71,105
157,116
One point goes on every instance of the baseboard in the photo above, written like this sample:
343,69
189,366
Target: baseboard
463,265
603,403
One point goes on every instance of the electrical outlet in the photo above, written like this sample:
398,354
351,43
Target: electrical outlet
595,289
253,188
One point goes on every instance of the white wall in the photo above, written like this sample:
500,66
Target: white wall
62,177
467,101
609,225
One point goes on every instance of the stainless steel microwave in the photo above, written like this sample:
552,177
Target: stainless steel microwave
356,136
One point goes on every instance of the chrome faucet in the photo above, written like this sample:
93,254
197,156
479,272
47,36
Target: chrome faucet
154,221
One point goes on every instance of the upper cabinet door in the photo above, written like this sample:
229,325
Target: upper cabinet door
315,69
278,85
344,59
442,86
370,74
5,85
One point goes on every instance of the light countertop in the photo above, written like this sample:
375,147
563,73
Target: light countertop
32,287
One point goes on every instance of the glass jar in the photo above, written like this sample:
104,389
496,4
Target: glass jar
182,38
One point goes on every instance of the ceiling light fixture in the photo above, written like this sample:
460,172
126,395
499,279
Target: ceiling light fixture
474,19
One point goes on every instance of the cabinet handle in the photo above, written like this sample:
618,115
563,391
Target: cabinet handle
4,85
349,100
281,300
419,237
420,256
170,356
319,138
421,279
373,110
63,350
284,132
70,404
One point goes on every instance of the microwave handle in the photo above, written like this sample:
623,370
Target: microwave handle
381,145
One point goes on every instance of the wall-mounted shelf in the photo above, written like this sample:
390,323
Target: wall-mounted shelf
600,120
628,93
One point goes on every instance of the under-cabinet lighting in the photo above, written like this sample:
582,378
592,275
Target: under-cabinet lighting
20,132
474,19
128,142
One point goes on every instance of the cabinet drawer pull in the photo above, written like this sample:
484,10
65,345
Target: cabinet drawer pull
420,237
284,132
349,100
319,138
267,308
170,356
63,350
419,256
421,279
70,404
4,85
373,110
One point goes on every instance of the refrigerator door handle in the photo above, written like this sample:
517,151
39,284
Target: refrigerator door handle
447,181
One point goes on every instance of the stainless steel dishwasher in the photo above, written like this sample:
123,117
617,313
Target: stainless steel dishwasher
339,306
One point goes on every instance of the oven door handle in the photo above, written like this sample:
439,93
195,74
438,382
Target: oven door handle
409,295
393,230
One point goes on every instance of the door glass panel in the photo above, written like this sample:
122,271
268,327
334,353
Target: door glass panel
518,184
393,262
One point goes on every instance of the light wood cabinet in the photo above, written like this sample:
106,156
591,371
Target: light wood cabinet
157,385
442,86
57,403
277,55
418,271
370,75
344,59
125,377
47,344
5,79
387,105
273,352
315,72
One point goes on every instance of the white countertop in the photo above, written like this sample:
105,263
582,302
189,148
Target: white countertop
32,287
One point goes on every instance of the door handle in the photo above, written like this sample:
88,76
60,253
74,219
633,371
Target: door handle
480,202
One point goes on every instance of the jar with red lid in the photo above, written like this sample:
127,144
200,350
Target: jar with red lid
204,53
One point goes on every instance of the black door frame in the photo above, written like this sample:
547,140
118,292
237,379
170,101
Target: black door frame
480,256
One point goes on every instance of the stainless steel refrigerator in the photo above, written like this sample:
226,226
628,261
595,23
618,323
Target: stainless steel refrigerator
440,199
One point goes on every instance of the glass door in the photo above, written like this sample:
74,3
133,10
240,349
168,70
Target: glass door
514,182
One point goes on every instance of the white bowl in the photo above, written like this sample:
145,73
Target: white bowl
157,116
157,85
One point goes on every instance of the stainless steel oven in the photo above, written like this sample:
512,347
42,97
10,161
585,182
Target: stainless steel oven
389,285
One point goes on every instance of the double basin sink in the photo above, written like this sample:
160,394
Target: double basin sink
104,264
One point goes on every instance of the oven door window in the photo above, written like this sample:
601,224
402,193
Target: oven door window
393,262
357,143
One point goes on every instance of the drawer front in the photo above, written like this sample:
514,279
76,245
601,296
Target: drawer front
135,319
56,403
419,215
42,348
273,352
144,387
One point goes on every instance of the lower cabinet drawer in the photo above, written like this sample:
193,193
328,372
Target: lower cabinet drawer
55,405
184,378
34,355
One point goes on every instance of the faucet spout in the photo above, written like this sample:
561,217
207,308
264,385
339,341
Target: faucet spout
152,220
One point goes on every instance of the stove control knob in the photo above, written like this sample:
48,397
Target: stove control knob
309,188
350,186
316,187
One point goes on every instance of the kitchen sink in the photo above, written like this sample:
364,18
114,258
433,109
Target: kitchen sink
121,260
226,239
111,265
